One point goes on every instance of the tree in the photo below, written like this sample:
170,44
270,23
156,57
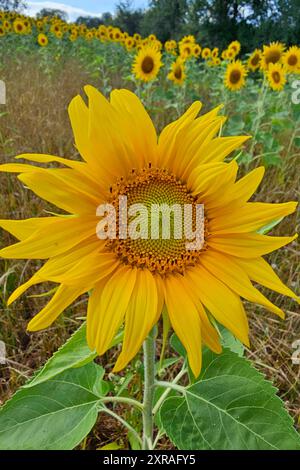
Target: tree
252,22
165,18
53,13
89,21
126,18
107,18
12,5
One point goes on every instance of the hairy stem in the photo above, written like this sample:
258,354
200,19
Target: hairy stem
149,373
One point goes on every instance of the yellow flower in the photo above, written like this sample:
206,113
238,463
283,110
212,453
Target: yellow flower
171,46
186,50
129,43
235,75
271,54
206,53
254,60
130,280
188,40
19,26
147,63
235,46
276,75
7,26
196,50
2,31
177,74
42,40
291,60
215,52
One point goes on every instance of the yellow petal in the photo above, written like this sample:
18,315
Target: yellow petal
238,193
43,158
168,136
54,188
192,156
22,229
140,317
107,307
228,271
63,297
79,117
248,245
261,272
54,239
218,149
222,303
137,124
185,320
250,217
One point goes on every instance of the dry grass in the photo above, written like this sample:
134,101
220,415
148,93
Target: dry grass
37,120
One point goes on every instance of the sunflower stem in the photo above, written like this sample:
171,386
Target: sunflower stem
149,384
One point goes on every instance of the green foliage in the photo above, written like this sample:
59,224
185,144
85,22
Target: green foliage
52,13
165,18
74,353
54,415
231,407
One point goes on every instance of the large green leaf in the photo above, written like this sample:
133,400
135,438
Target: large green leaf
231,407
54,415
74,353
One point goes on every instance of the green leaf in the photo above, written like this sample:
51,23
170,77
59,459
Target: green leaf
272,160
232,407
55,415
74,353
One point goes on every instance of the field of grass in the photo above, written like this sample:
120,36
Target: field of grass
40,84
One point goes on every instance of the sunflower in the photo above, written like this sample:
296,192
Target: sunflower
147,63
206,53
291,60
215,52
276,75
230,54
235,75
271,54
196,50
2,31
129,280
19,26
235,46
42,40
188,40
254,60
177,74
186,50
129,43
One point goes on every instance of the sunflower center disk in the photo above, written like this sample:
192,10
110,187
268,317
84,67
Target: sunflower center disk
148,64
160,249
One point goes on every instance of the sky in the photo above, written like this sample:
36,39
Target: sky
75,8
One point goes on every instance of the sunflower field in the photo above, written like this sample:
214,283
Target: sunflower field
131,344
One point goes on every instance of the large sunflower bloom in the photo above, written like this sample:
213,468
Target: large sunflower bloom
130,280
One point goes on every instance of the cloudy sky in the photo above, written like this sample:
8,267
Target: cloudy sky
76,8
